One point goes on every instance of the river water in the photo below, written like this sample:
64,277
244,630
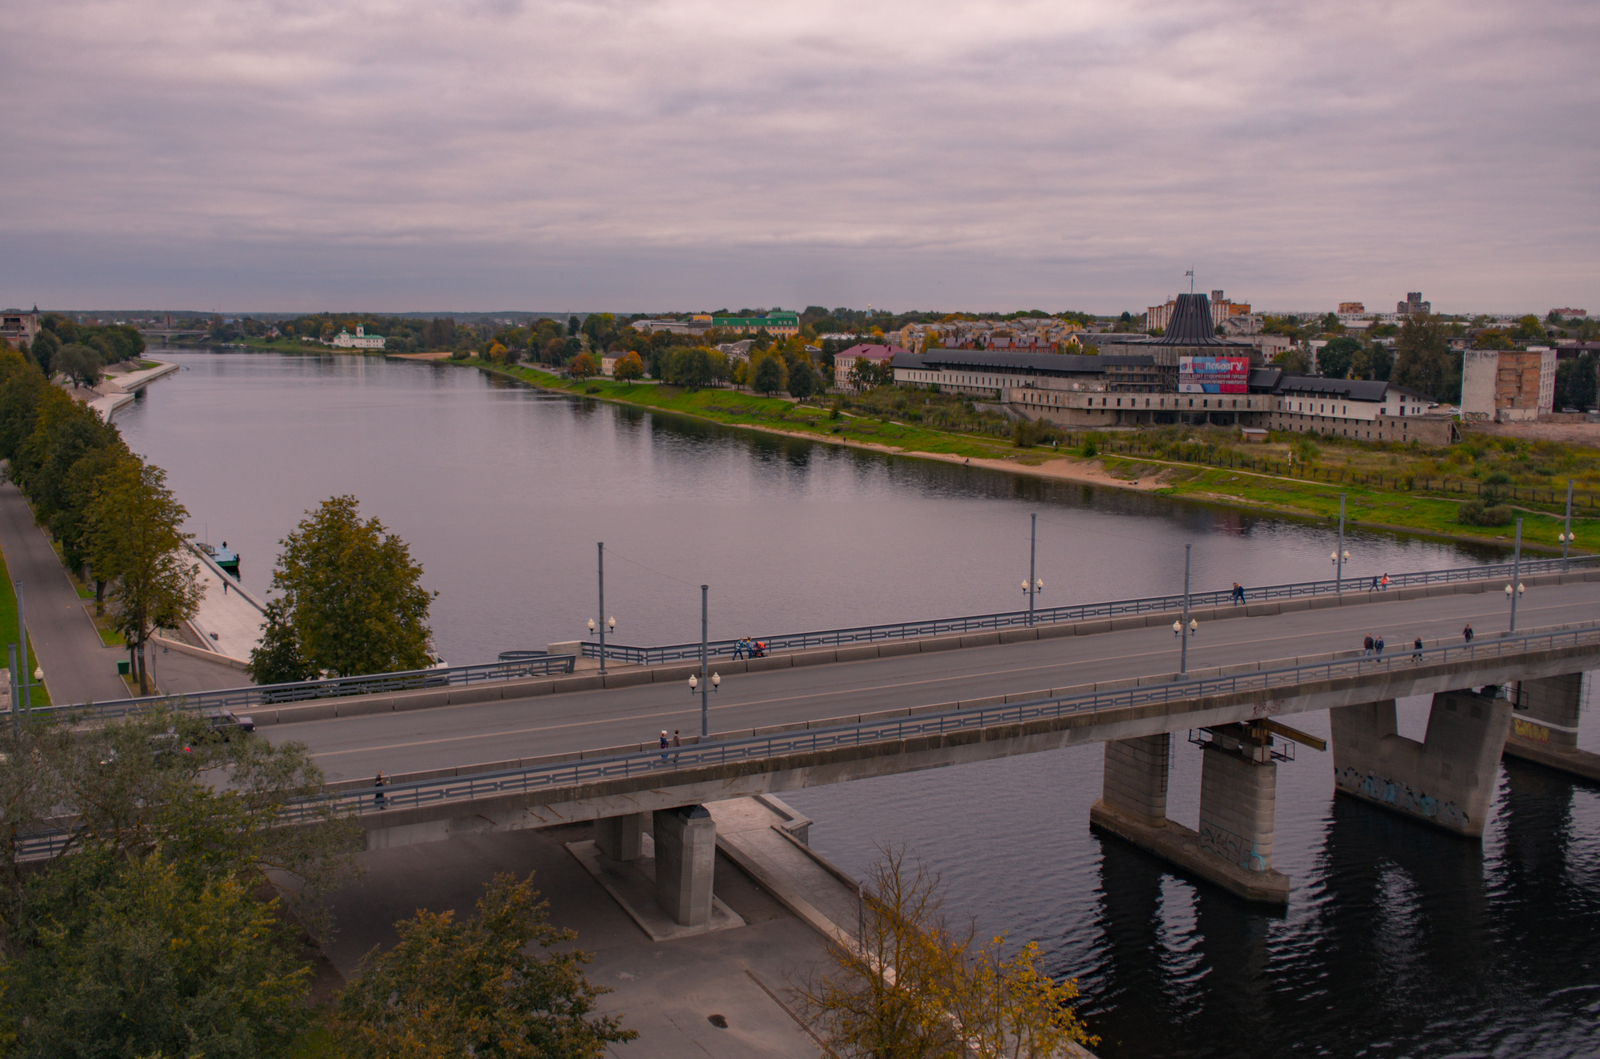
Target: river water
1397,942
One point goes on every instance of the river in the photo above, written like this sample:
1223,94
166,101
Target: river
1397,942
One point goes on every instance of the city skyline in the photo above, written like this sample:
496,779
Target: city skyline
287,157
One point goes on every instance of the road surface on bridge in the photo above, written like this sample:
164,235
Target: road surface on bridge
354,747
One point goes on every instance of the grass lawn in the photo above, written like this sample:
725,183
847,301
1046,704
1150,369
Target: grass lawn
40,696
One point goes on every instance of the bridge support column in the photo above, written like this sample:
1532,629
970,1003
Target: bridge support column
686,854
1447,780
1238,801
1233,847
1136,777
1544,725
620,837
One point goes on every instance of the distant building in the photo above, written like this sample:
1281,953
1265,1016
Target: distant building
359,340
739,350
17,326
844,362
1413,305
1351,307
1570,313
776,322
1221,309
1507,385
672,327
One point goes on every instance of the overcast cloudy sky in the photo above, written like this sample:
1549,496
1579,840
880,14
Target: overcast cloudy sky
645,154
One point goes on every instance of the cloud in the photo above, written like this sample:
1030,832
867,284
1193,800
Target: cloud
400,154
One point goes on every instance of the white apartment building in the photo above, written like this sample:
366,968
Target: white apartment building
359,340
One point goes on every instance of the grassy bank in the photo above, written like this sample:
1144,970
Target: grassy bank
40,696
1379,492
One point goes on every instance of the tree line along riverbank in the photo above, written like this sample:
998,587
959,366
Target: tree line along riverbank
1408,488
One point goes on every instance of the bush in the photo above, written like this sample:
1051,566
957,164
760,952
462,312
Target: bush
1477,513
1025,434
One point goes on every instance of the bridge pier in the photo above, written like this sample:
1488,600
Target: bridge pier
1544,725
1447,780
686,855
1238,787
620,837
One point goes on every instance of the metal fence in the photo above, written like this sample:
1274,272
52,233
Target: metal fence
526,664
911,630
572,773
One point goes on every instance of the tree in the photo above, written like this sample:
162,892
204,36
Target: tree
44,348
1373,362
1528,329
1293,360
351,591
802,381
628,368
582,366
768,376
1335,358
1423,361
135,545
911,986
468,988
277,659
78,362
1576,383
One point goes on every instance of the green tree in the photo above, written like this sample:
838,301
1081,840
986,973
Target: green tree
1576,383
628,368
583,366
353,593
768,376
1528,329
1293,359
451,988
1423,360
277,658
134,544
78,362
802,381
1335,358
43,351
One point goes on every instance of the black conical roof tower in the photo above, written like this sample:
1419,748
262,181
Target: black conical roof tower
1190,324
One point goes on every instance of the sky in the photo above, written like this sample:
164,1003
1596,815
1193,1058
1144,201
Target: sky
645,155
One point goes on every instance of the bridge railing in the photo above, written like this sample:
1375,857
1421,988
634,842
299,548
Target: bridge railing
800,741
912,630
519,664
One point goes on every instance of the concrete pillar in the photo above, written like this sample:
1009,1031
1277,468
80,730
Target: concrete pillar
620,837
686,853
1547,710
1447,779
1238,800
1136,778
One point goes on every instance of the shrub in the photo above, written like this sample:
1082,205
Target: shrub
1477,513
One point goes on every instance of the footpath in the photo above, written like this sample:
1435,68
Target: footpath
121,388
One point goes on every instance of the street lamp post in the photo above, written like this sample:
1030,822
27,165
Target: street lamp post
701,683
22,634
1341,556
1516,588
602,623
1185,627
1566,533
1033,585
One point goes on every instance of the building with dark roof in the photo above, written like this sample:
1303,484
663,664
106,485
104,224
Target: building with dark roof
1190,332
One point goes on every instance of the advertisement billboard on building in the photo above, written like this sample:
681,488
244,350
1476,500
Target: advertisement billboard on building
1214,374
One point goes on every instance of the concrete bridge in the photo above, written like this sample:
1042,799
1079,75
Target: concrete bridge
511,757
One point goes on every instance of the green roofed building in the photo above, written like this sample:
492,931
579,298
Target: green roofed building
776,322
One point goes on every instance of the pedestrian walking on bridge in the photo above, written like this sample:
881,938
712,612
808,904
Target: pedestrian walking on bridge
1377,646
1466,634
380,800
1416,650
1366,646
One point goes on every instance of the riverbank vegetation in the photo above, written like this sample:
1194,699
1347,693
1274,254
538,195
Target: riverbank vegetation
1393,485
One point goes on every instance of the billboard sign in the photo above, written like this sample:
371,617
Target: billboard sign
1214,374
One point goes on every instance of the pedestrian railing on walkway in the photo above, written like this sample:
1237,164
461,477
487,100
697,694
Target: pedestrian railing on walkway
914,630
523,664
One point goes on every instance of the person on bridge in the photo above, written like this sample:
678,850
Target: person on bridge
1377,646
1238,593
1374,587
1466,634
380,800
677,742
1366,646
1416,650
1385,582
663,744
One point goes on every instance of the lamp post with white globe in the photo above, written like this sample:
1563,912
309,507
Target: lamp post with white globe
1515,589
1566,536
1033,585
702,683
1185,626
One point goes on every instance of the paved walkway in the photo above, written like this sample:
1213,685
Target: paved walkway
230,617
77,667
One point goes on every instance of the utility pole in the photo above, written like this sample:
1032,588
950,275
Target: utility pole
705,729
601,617
1338,577
1514,589
1033,550
1183,654
1566,535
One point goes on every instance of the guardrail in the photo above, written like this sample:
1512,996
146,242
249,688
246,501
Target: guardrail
526,664
571,773
362,801
1079,612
